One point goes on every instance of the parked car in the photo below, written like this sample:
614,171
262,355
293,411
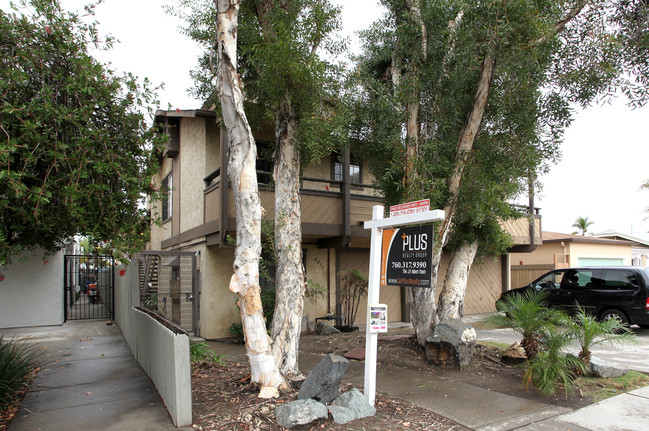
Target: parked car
604,292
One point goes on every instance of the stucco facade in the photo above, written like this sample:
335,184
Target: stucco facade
333,238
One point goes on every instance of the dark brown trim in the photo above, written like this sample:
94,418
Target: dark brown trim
197,232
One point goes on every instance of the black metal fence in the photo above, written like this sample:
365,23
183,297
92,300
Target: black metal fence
89,287
169,286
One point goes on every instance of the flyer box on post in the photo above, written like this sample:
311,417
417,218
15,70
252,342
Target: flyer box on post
378,318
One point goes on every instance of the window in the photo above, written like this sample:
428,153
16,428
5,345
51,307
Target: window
616,280
354,169
576,279
264,163
167,193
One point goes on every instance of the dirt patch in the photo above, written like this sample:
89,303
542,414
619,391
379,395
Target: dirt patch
225,400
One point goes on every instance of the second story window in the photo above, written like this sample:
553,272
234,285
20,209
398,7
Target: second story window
167,190
354,169
264,163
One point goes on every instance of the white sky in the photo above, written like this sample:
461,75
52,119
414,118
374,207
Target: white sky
605,152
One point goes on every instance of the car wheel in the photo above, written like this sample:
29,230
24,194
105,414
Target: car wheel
614,314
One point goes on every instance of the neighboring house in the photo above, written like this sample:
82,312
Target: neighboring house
639,246
560,250
336,196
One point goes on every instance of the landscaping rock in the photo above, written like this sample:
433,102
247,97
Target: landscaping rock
515,354
323,382
322,328
601,368
351,406
300,412
452,343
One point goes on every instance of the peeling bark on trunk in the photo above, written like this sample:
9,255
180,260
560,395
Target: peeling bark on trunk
451,300
289,302
422,306
243,180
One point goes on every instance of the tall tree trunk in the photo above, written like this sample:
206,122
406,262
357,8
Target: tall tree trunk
451,300
243,180
422,306
289,302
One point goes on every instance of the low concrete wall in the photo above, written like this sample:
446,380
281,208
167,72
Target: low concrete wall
162,354
31,292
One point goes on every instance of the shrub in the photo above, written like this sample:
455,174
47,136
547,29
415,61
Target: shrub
200,352
353,285
550,367
17,361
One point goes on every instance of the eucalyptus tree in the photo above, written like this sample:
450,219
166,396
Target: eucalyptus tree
439,79
287,81
243,177
76,153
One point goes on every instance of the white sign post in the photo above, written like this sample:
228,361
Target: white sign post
374,280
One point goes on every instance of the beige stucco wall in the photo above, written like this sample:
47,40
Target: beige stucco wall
316,270
160,233
192,162
584,250
218,309
544,254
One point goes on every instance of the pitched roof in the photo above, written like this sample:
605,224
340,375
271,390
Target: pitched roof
639,242
551,237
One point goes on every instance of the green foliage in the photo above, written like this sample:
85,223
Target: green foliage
268,304
236,331
76,155
353,285
314,291
590,332
282,57
539,73
527,315
551,368
201,352
17,361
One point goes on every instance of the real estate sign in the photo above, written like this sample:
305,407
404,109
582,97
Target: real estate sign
407,255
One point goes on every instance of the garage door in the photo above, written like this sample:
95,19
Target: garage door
600,261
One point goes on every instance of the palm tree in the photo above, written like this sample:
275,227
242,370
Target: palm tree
527,314
589,332
582,224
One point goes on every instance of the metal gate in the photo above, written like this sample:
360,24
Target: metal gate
89,287
170,287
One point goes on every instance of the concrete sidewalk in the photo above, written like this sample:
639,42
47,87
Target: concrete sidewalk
89,380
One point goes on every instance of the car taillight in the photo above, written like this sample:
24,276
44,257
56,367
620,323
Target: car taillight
647,305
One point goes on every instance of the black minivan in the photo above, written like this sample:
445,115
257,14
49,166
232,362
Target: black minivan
620,292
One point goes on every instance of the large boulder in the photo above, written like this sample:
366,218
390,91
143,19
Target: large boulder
300,412
351,406
322,328
601,368
452,343
323,382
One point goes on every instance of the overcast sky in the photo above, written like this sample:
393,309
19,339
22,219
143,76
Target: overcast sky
605,152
